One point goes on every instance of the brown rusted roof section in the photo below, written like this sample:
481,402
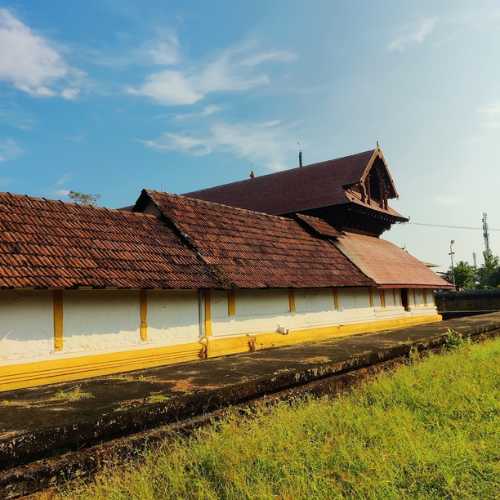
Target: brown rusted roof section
256,250
387,264
298,189
51,244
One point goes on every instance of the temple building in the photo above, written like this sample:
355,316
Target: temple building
285,258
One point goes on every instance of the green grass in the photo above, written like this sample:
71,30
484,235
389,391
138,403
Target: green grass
429,430
75,394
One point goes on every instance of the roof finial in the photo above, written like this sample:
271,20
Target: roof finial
378,145
252,175
300,154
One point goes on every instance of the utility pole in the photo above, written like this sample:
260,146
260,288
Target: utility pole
486,234
474,259
451,254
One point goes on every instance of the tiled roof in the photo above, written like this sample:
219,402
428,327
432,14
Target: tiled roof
297,189
255,250
51,244
317,226
387,264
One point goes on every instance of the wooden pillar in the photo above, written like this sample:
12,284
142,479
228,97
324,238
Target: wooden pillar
335,294
208,313
382,298
58,314
291,300
370,297
231,303
143,311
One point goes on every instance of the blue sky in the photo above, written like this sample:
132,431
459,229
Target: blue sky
109,97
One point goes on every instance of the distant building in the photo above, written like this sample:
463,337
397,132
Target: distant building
274,260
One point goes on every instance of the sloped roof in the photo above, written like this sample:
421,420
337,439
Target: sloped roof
51,244
387,264
318,226
298,189
256,250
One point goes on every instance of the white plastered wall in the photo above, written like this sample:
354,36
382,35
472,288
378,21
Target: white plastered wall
26,325
420,305
100,321
109,321
257,311
173,318
264,311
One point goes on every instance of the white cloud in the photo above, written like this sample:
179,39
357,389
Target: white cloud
13,116
161,50
9,149
32,64
209,110
414,34
447,200
491,109
231,71
168,87
490,115
263,57
62,192
164,50
267,144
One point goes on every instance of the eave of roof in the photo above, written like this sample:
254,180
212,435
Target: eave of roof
386,264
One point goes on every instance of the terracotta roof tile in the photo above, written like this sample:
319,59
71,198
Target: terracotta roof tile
254,250
51,244
293,190
387,264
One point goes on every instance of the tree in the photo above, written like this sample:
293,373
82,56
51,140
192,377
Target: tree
84,198
489,272
465,275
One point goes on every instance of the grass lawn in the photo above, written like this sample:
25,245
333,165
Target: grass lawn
429,430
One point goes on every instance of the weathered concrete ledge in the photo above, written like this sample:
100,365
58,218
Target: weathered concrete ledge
40,423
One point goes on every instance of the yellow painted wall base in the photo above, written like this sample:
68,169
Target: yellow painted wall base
67,369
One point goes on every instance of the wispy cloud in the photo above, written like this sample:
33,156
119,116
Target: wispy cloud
267,144
232,70
209,110
15,117
271,56
60,188
9,149
32,64
413,34
162,49
490,115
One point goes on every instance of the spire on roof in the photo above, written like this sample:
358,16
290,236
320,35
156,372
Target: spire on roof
252,174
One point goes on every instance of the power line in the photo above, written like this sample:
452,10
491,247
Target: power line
452,227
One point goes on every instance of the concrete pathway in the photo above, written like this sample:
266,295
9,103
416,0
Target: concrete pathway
75,414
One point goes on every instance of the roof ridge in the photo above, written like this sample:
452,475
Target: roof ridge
214,203
74,205
293,169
